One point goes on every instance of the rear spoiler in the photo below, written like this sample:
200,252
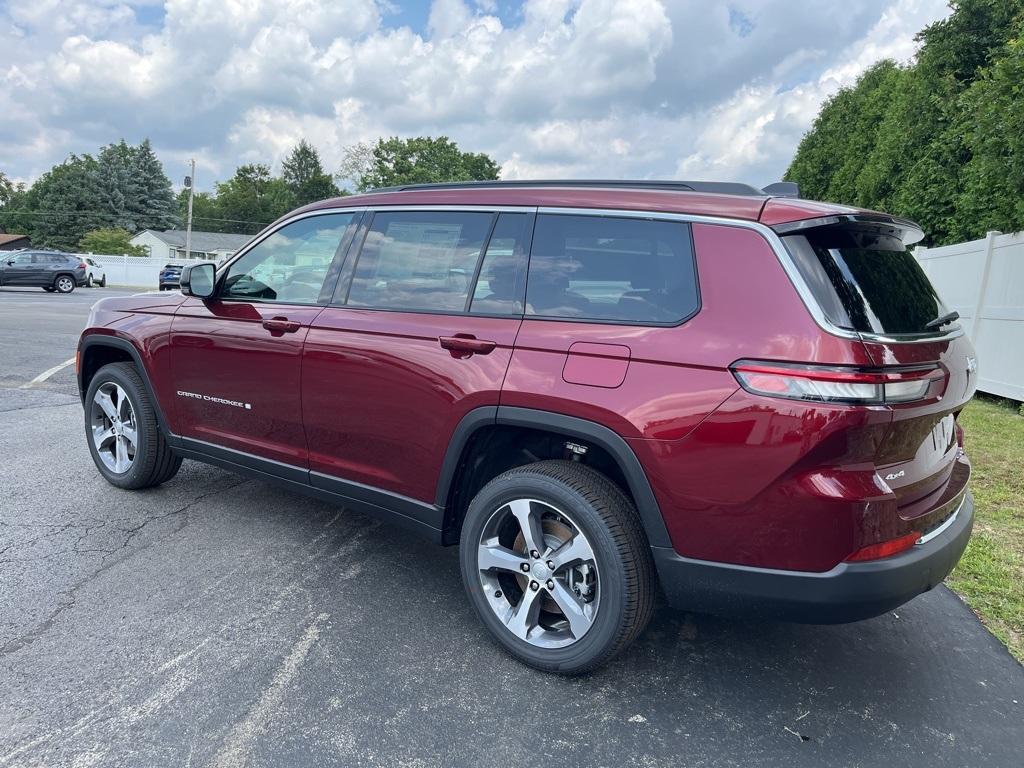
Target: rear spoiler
904,229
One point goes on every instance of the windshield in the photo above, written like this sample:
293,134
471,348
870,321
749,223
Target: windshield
867,281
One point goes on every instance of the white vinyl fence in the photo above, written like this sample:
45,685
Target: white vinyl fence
983,280
134,271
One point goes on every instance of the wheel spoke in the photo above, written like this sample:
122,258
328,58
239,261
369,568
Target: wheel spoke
492,555
529,523
101,436
576,550
572,608
120,455
129,434
524,616
103,400
124,406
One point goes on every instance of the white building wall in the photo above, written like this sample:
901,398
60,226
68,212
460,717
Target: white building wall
157,248
983,280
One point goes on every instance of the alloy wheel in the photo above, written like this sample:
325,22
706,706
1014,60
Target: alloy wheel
65,284
538,573
114,427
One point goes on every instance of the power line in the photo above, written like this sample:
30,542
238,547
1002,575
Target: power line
4,212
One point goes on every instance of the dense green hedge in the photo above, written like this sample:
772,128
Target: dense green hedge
940,141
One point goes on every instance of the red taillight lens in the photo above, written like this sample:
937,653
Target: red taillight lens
836,384
884,548
83,265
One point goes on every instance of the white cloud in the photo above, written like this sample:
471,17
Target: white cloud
601,88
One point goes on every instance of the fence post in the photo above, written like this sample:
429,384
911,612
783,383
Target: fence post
990,239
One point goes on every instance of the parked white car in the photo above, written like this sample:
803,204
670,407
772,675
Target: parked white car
95,274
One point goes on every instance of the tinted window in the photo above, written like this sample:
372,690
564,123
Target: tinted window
501,285
290,265
608,268
419,260
866,281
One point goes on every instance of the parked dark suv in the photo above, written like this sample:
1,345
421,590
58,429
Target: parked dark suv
593,388
51,271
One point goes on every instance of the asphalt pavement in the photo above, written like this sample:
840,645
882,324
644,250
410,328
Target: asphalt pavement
216,621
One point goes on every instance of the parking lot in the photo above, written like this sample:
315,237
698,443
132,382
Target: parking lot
220,621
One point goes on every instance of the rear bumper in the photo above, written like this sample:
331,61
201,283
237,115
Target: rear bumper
848,592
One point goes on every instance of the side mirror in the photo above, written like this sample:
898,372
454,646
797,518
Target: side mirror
198,280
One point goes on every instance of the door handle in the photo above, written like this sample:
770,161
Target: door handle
279,325
465,344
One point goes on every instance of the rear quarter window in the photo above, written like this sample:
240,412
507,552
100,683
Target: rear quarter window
612,269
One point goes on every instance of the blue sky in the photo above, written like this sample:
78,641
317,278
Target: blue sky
549,88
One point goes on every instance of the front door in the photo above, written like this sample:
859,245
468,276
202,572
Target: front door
420,335
20,269
236,358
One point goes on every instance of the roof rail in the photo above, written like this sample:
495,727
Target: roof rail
716,187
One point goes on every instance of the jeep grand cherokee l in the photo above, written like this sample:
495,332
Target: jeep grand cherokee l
592,388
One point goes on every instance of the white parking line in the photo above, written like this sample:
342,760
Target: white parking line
47,374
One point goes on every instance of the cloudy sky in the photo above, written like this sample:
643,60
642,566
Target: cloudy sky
549,88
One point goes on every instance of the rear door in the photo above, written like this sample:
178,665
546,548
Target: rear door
420,334
236,358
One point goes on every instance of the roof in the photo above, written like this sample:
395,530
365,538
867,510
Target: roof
11,238
719,199
201,241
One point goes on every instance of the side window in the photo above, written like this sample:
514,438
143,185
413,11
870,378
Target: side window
419,260
501,285
22,258
610,268
291,265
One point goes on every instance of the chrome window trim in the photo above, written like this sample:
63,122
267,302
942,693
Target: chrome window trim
942,528
784,259
772,237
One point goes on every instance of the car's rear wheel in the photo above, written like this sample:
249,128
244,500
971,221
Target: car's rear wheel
64,284
557,566
103,282
88,282
124,436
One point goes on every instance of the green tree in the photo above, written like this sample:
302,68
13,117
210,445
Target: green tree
936,142
64,204
206,213
993,185
422,160
6,189
304,174
110,240
252,198
153,207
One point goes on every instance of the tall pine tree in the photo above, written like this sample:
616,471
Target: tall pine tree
304,174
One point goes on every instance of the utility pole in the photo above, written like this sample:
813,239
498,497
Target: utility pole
190,182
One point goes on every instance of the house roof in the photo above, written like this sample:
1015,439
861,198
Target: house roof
201,241
12,238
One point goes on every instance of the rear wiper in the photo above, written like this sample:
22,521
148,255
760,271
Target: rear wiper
938,322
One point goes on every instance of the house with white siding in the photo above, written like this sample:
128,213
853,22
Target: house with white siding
170,244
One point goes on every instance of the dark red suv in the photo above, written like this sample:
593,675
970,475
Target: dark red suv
592,387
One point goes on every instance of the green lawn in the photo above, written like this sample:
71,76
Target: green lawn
990,577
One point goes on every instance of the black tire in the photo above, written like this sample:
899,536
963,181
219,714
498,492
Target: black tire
64,283
49,288
103,282
154,461
88,282
611,525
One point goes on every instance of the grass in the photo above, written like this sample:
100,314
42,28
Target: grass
990,577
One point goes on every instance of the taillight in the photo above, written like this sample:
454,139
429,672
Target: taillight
83,265
884,548
836,384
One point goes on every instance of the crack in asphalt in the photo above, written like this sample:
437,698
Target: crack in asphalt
71,593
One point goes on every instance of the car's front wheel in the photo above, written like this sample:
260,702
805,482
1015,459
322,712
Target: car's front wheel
557,565
124,436
64,284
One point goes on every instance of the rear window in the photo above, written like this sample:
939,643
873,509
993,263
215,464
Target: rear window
611,269
866,281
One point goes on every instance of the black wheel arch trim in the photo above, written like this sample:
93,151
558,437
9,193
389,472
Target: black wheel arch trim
116,342
580,429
